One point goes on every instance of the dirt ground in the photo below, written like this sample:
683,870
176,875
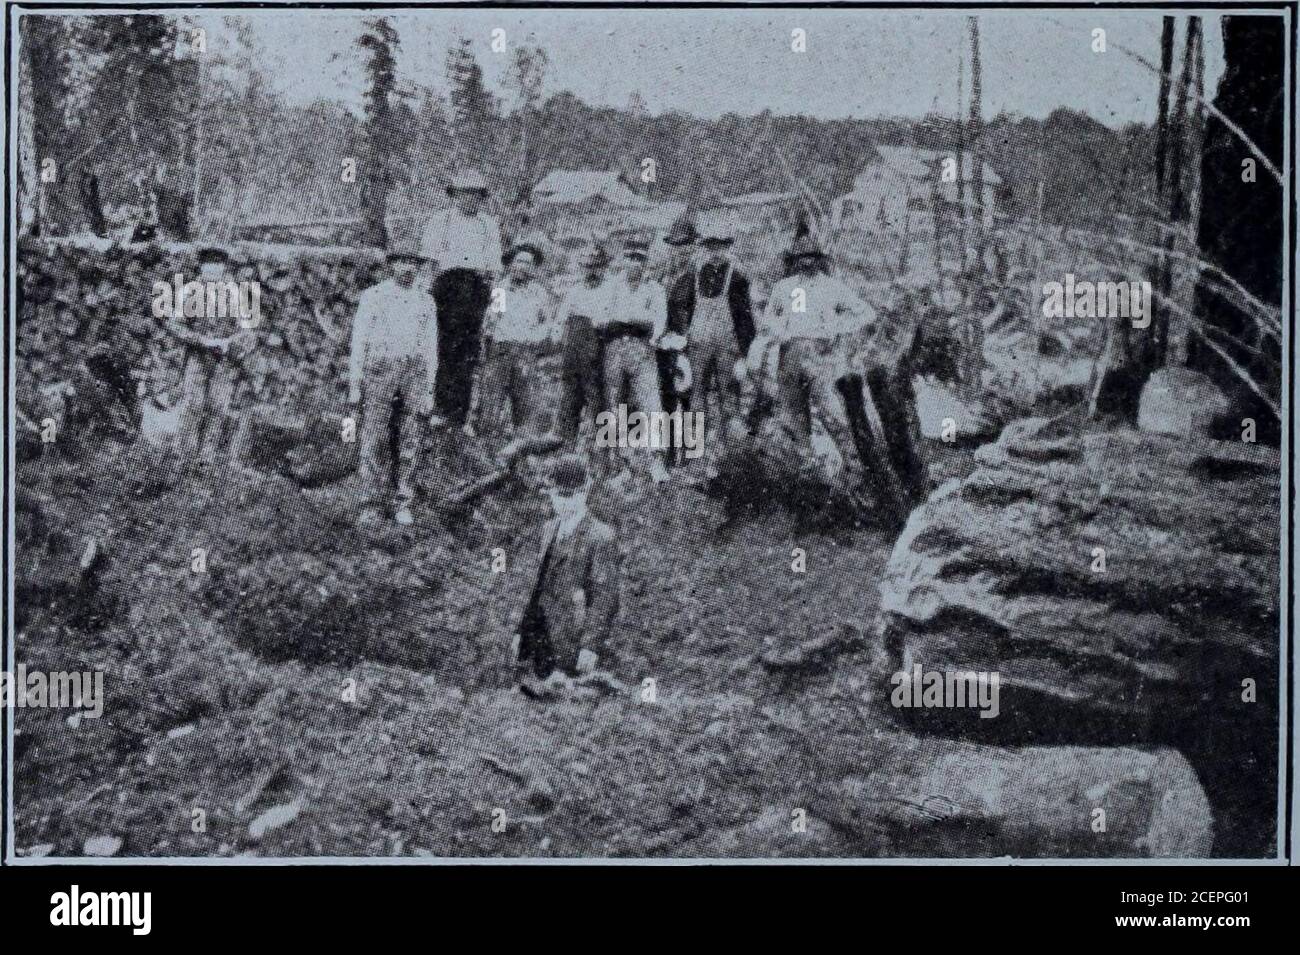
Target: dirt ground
359,680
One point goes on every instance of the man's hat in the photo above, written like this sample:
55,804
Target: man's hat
716,228
635,247
213,253
569,474
468,180
804,246
682,231
531,248
593,255
407,250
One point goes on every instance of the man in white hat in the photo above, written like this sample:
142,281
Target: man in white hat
465,242
393,364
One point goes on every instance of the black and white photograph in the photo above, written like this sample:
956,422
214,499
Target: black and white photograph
647,434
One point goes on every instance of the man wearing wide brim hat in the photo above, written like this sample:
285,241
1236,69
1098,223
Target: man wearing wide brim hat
711,306
805,251
520,329
215,338
581,369
393,365
465,242
818,323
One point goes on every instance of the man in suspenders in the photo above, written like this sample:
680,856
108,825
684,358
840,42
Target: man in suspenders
711,306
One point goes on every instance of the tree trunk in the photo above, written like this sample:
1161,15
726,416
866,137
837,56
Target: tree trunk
1240,227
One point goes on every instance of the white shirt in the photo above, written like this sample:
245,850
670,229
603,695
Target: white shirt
457,241
525,315
647,304
394,322
830,308
595,303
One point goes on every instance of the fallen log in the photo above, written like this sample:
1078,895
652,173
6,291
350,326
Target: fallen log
509,459
937,799
1123,586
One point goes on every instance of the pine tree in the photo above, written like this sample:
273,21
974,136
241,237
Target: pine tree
471,107
379,40
44,84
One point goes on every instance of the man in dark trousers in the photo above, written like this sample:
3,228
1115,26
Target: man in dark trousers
574,600
711,306
582,370
674,373
465,242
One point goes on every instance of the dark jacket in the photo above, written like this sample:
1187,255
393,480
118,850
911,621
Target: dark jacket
556,624
681,301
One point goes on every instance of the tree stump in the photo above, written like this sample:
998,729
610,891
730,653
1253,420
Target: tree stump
1124,586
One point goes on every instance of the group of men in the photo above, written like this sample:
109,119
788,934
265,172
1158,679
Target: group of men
455,334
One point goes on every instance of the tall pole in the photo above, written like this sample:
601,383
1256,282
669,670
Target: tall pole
976,128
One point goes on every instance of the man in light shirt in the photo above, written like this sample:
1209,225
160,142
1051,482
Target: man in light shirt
465,242
636,317
393,365
581,379
819,322
212,378
519,329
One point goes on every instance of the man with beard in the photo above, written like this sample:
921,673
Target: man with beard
818,321
575,597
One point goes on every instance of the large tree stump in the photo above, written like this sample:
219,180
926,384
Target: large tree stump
1124,586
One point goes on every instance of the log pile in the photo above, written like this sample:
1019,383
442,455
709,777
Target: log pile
77,294
1123,585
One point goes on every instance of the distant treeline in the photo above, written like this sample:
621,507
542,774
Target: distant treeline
127,101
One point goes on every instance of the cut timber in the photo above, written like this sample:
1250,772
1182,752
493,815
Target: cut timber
509,459
1002,572
1181,402
935,798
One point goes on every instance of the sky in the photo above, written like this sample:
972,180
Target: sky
858,63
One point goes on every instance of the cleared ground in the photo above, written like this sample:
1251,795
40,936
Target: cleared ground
231,690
